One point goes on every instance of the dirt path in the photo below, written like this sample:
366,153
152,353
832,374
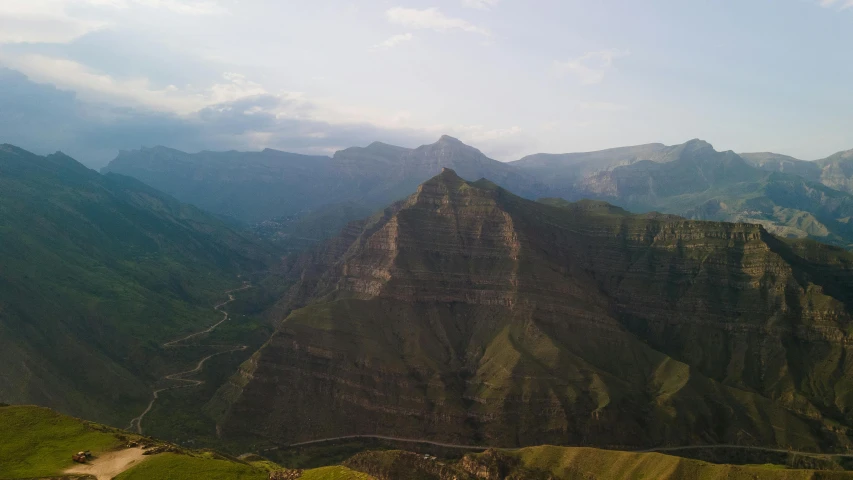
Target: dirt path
109,464
136,423
650,450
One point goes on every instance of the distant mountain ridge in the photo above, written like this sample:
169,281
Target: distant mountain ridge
834,171
257,186
692,180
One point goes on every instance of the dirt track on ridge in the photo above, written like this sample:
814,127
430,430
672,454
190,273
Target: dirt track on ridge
109,464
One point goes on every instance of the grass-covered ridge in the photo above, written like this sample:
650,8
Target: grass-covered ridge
36,441
570,463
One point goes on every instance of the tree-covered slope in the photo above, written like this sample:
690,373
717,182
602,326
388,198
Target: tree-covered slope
466,314
95,272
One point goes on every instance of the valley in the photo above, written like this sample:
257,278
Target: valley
463,318
426,240
136,423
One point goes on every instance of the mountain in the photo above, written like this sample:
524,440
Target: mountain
560,171
835,171
258,186
696,181
96,271
299,200
466,314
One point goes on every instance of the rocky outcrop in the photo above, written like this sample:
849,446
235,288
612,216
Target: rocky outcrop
285,474
465,314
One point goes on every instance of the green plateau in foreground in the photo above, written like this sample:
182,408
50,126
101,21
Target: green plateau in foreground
38,442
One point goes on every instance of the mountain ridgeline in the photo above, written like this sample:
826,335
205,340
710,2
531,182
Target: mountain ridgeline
257,186
466,314
789,197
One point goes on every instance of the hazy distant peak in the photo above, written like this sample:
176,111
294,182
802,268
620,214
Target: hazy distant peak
697,144
450,140
378,145
159,149
844,154
8,147
446,142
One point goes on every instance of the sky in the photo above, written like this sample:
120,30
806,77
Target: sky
510,77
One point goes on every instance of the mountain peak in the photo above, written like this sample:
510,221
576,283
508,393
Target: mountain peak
442,184
448,173
450,140
446,143
697,144
447,176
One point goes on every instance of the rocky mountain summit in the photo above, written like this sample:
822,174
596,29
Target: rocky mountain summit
466,314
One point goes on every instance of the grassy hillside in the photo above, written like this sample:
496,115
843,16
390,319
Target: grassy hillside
96,272
568,463
584,463
39,442
204,466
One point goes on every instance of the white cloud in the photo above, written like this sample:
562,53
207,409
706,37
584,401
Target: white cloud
838,4
97,86
479,133
62,21
91,85
480,4
602,106
430,19
41,21
393,41
591,67
177,6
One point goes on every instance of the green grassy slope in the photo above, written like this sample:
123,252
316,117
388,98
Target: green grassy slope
569,463
581,463
38,442
95,273
186,467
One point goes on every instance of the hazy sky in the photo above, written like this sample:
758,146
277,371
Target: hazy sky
510,77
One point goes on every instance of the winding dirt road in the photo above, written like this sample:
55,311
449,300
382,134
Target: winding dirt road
180,376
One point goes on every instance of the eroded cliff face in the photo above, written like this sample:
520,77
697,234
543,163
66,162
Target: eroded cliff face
466,314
